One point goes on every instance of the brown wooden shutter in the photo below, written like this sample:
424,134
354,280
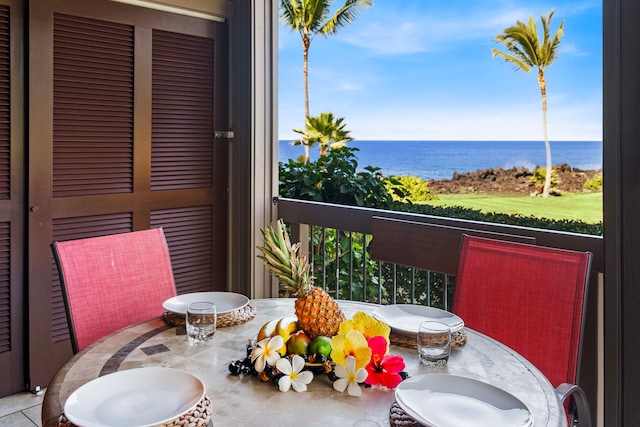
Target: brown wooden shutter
93,107
5,183
189,235
182,115
5,106
125,145
5,289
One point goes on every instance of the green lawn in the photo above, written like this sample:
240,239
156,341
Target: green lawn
586,207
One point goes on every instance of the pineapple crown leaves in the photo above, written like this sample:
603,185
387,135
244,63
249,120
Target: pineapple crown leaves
283,261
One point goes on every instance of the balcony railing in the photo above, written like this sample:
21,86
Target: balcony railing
392,257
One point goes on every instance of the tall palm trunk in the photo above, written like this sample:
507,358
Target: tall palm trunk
547,146
306,43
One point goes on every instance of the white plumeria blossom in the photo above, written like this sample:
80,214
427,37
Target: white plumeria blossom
349,377
294,376
266,351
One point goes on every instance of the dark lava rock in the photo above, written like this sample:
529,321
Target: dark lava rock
510,181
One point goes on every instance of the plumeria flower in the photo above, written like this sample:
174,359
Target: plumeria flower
294,376
354,344
349,376
383,368
366,324
266,351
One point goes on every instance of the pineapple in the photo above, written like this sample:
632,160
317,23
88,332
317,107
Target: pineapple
318,314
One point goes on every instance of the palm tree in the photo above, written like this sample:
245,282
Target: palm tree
526,51
326,130
310,18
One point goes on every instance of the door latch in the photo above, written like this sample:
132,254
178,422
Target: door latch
227,134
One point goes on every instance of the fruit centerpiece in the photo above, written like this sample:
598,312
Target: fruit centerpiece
319,340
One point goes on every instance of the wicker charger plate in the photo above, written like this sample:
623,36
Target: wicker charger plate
198,417
399,418
458,338
236,317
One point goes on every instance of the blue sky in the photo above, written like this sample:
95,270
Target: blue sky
423,70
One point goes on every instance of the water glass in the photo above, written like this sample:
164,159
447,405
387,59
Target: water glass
201,321
434,343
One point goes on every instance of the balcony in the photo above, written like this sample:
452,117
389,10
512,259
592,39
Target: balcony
391,257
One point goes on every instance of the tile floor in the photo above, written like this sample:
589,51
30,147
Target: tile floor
21,410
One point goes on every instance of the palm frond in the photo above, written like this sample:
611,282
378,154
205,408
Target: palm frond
315,13
291,12
524,48
344,16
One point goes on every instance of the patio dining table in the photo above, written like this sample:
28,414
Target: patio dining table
247,401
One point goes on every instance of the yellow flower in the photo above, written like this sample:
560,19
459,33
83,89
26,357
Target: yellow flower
353,343
366,324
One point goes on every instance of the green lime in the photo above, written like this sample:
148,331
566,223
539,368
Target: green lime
320,345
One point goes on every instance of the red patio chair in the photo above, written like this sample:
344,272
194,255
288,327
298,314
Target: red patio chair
113,281
532,299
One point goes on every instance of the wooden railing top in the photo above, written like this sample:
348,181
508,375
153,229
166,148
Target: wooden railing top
448,230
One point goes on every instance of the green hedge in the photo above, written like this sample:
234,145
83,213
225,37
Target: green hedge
516,219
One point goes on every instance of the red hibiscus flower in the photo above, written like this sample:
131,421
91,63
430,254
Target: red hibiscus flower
383,368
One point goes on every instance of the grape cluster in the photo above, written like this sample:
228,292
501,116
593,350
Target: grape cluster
243,366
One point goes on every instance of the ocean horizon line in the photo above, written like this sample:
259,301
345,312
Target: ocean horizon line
438,160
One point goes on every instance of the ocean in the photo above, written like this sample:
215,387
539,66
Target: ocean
440,159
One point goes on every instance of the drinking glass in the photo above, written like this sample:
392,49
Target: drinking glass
434,343
201,321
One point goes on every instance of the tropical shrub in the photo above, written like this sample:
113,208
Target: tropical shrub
593,184
335,178
415,188
540,175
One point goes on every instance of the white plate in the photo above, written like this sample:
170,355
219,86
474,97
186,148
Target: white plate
141,397
405,318
225,302
440,400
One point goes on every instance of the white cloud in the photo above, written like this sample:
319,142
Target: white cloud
571,49
383,39
401,34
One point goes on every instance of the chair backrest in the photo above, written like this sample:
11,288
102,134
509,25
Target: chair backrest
113,281
528,297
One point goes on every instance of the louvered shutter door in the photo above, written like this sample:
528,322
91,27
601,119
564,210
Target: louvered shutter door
93,107
5,106
5,288
92,130
12,307
182,149
130,147
5,183
190,237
